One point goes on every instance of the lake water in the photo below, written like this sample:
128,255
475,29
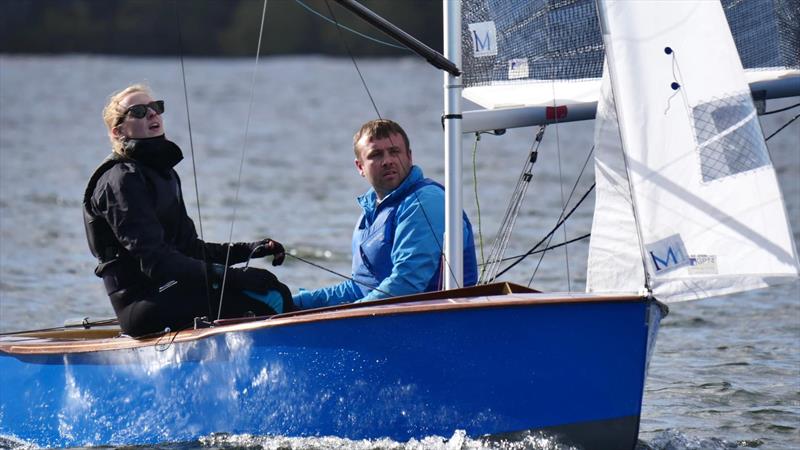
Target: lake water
726,372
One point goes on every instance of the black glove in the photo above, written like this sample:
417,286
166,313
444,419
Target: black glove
259,281
266,247
251,279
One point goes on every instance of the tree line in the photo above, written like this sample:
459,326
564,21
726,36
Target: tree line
220,28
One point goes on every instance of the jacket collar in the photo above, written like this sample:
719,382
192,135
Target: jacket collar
156,152
369,201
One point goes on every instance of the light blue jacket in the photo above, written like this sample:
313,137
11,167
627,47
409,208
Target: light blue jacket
397,246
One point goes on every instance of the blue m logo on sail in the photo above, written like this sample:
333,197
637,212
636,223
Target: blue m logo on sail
482,45
667,254
661,264
484,38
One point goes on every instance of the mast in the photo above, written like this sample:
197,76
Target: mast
453,235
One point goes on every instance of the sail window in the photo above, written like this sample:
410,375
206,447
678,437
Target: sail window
729,138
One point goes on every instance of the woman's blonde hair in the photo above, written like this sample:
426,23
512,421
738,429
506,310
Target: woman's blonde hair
114,112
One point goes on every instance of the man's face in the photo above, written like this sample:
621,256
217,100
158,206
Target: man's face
385,163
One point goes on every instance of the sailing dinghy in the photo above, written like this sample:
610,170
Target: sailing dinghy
688,206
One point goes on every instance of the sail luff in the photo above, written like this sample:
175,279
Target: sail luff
615,260
609,137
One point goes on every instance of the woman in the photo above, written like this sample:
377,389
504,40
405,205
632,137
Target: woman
157,272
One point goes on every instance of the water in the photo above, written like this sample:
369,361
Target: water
726,373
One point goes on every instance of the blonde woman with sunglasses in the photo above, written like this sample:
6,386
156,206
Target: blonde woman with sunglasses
158,274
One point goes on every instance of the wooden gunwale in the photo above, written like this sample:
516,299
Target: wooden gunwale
83,341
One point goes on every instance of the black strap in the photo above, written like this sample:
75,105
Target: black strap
450,116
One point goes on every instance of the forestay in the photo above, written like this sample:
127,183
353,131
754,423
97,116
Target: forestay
695,175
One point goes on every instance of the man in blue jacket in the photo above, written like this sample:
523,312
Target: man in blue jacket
397,241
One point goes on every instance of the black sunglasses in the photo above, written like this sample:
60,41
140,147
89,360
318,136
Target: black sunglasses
139,111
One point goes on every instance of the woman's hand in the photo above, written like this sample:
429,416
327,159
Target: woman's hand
269,247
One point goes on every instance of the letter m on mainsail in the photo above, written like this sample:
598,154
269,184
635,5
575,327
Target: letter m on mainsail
484,38
482,45
667,254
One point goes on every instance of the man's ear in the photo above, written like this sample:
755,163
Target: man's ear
359,167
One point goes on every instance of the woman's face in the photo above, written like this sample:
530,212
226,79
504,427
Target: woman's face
151,125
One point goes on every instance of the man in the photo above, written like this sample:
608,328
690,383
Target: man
397,241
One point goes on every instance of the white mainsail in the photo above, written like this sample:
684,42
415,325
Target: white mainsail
521,57
710,218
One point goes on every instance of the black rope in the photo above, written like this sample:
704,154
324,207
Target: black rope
781,128
561,221
555,228
560,244
337,274
162,347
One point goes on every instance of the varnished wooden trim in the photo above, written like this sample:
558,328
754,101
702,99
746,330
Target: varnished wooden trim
481,297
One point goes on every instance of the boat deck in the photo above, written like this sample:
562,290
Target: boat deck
486,296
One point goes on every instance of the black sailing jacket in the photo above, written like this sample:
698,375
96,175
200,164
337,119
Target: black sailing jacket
141,232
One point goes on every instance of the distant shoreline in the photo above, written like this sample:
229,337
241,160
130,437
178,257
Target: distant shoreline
208,28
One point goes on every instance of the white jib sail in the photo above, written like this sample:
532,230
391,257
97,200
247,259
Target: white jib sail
615,257
709,212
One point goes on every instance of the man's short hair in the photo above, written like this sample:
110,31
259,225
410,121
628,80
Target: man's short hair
379,129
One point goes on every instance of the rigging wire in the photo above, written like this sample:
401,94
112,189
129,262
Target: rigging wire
561,189
571,193
191,150
241,162
562,218
378,113
188,118
500,244
358,33
353,59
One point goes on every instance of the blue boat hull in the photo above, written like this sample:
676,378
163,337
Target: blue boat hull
566,367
